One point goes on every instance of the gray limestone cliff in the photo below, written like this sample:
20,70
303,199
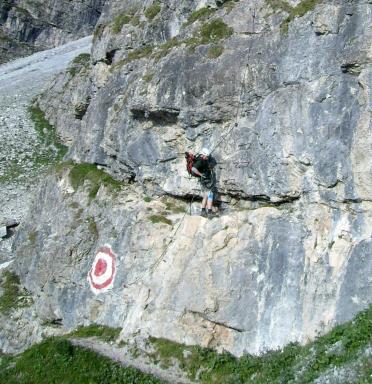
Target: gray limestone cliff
291,255
27,26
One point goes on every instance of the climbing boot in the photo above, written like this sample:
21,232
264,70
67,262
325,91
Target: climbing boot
211,214
203,212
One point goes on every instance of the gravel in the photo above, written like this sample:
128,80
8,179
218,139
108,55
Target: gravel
20,82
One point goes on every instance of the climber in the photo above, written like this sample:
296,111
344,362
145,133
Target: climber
203,167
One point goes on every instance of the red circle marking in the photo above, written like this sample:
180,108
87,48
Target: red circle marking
92,274
101,267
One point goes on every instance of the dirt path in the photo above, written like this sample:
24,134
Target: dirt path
123,356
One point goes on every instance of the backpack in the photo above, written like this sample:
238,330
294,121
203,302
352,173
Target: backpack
190,160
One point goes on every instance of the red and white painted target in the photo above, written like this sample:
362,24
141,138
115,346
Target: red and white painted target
102,275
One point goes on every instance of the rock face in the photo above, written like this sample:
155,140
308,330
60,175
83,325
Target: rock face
28,26
291,255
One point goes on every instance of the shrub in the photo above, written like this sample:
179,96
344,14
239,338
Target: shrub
119,21
13,295
79,173
80,62
200,14
152,11
214,31
160,219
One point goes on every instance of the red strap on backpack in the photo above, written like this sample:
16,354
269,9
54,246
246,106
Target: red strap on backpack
190,159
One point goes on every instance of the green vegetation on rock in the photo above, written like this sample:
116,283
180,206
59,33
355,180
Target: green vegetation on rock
344,345
299,10
81,173
49,137
280,5
32,236
13,170
215,51
124,19
119,21
214,31
56,360
159,219
229,5
174,206
94,330
47,151
92,226
139,53
148,77
80,62
4,37
13,295
200,14
208,33
98,31
152,10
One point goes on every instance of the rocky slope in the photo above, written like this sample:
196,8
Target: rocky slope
24,152
27,26
291,255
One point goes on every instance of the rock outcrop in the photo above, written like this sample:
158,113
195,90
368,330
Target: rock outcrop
291,255
29,26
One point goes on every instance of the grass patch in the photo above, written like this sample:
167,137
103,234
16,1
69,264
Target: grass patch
82,59
80,173
174,206
119,21
80,62
152,11
294,363
135,21
214,31
147,199
165,48
103,333
125,19
13,295
280,5
215,51
298,11
211,32
49,137
140,53
200,14
56,360
135,54
155,219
